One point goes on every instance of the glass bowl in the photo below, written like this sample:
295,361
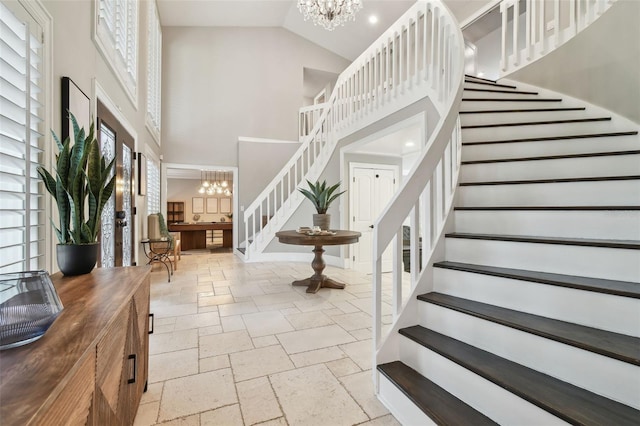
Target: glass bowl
29,304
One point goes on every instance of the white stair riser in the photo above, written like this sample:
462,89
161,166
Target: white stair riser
598,193
610,224
405,411
480,85
582,368
595,262
473,94
542,130
471,105
619,165
518,117
546,148
604,311
490,399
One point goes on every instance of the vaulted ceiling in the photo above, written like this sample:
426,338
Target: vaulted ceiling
348,41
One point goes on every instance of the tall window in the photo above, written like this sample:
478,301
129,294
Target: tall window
154,81
153,186
117,38
22,116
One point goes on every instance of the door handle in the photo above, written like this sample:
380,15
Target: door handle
371,226
121,223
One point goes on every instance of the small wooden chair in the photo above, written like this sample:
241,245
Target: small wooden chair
177,255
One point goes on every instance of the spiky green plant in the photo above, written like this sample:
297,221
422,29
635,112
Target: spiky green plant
321,195
83,179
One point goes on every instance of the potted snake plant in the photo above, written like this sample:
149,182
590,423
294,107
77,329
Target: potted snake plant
82,185
321,196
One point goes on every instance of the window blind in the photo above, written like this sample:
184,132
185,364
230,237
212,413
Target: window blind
117,31
154,65
22,216
153,187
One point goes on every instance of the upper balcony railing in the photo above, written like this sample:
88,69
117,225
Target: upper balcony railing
533,28
416,57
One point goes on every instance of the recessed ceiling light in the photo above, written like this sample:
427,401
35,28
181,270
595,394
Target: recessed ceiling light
373,19
409,144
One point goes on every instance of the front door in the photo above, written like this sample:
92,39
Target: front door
372,187
117,227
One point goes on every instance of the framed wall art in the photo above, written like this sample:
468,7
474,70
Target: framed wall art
212,205
75,101
197,205
142,174
225,205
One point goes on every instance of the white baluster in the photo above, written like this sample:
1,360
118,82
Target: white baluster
396,294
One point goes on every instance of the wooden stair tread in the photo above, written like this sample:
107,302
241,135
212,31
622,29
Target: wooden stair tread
487,83
585,242
511,100
536,123
568,402
480,78
613,345
516,92
614,287
442,407
554,138
553,157
554,180
500,111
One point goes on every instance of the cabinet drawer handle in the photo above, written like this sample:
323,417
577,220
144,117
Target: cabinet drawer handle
152,323
135,368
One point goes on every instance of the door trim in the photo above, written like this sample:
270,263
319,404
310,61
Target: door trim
99,93
353,165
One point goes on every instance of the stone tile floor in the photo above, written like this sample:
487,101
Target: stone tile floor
236,344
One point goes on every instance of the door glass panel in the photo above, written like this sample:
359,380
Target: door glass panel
126,205
107,239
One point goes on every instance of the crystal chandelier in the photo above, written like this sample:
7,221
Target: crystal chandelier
329,13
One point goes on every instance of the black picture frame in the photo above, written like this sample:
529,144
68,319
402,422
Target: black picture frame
142,174
75,100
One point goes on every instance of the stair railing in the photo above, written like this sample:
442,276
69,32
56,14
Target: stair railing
542,27
411,60
426,197
308,116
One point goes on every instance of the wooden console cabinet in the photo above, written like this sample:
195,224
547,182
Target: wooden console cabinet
91,366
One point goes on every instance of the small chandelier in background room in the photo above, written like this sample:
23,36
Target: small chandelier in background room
215,186
329,13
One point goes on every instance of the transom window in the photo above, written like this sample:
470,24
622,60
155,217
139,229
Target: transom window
117,39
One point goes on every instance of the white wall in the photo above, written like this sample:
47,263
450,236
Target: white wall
222,83
601,65
76,56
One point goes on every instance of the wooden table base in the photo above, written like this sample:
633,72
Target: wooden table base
318,280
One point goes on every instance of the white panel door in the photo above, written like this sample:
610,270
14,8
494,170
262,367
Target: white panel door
371,190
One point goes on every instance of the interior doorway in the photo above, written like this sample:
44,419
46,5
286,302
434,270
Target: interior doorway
371,188
204,195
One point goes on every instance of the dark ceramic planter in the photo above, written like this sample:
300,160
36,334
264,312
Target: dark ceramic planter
77,259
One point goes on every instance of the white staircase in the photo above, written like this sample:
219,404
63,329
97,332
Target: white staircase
420,56
531,314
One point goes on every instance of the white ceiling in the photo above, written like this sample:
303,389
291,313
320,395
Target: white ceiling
348,41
